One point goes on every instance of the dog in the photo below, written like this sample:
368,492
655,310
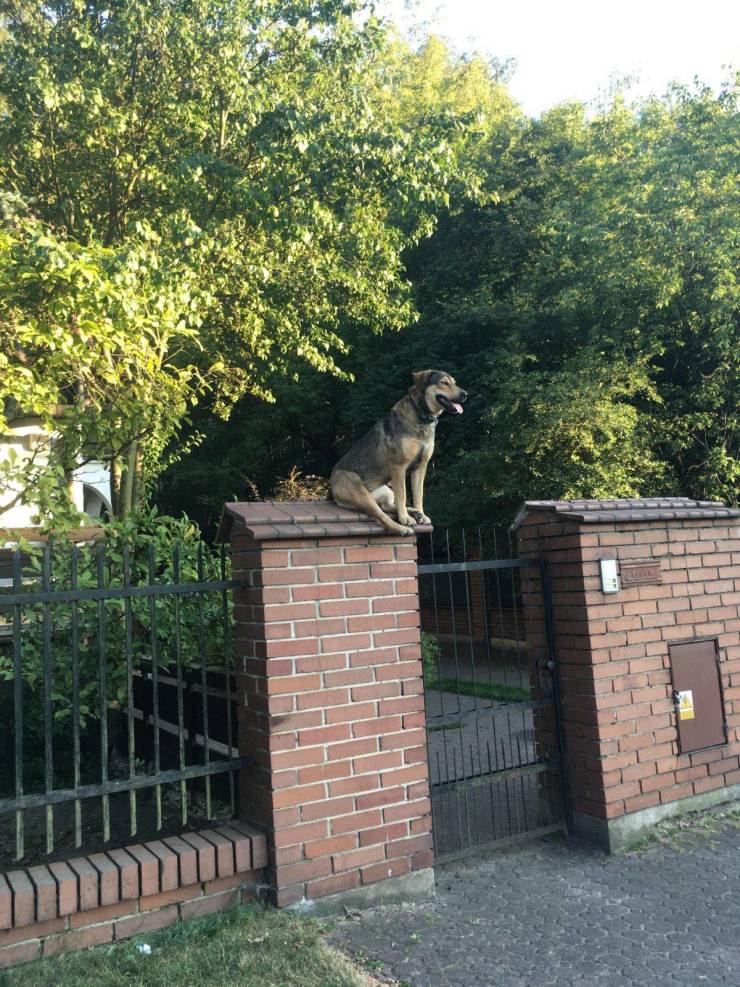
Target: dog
371,477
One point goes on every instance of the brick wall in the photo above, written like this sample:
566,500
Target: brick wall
88,901
620,721
328,659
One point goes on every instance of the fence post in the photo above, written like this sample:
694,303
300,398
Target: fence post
331,703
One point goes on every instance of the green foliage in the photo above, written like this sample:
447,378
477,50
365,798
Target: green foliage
147,546
220,196
588,303
430,652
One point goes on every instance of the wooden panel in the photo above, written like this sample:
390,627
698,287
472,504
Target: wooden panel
696,682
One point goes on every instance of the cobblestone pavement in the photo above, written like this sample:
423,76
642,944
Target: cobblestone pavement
553,913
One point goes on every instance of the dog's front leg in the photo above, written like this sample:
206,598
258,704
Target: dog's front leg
417,493
398,483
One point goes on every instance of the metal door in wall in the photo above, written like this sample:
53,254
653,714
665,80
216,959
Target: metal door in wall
496,756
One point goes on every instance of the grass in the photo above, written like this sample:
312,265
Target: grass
244,947
482,690
681,833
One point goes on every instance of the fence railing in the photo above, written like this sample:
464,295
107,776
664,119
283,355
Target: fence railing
116,696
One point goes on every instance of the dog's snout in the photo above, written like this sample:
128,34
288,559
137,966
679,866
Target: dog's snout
463,395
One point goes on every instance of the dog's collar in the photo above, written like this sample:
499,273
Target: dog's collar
423,413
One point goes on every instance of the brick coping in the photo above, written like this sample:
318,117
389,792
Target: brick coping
269,520
45,892
634,509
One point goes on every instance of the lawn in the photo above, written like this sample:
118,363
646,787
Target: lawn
245,947
481,690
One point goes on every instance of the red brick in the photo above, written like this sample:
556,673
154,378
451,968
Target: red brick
23,952
147,922
324,735
316,556
323,772
358,858
396,604
393,570
304,870
288,577
128,873
323,699
357,821
333,884
385,796
343,573
369,553
354,785
46,892
343,608
6,904
35,931
403,776
233,881
377,726
382,871
351,712
383,834
187,863
23,897
377,690
320,627
257,840
167,861
332,844
172,897
293,684
206,855
372,588
352,748
67,896
64,942
374,622
148,869
327,809
104,914
224,851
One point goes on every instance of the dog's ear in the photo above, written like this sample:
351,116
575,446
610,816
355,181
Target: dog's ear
420,379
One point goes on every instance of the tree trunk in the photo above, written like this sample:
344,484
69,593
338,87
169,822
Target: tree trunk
136,486
127,482
115,486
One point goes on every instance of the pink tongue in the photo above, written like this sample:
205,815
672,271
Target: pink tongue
458,408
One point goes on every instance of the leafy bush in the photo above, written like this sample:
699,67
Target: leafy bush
142,548
430,652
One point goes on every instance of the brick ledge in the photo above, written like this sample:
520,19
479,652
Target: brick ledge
46,893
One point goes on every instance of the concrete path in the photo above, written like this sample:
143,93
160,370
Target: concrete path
553,913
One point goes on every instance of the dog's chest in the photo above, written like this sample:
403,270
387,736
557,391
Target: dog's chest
419,448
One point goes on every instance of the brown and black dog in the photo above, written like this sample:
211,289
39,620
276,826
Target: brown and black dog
371,477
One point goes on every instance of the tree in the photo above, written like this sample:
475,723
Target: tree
245,157
587,300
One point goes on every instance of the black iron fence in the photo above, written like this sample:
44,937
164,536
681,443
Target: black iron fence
117,697
492,709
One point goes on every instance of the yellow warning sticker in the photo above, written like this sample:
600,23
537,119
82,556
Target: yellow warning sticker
686,705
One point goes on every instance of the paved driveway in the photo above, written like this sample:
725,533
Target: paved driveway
557,914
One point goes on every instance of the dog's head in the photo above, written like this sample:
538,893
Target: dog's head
439,391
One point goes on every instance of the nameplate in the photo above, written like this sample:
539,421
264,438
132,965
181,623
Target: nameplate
640,573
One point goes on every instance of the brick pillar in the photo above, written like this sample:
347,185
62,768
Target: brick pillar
624,766
331,702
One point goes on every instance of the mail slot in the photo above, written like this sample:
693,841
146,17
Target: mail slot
697,694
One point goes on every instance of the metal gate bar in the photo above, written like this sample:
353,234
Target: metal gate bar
497,771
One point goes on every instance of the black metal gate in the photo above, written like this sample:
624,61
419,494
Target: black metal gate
496,761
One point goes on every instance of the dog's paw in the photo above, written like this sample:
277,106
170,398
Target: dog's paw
419,517
406,520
